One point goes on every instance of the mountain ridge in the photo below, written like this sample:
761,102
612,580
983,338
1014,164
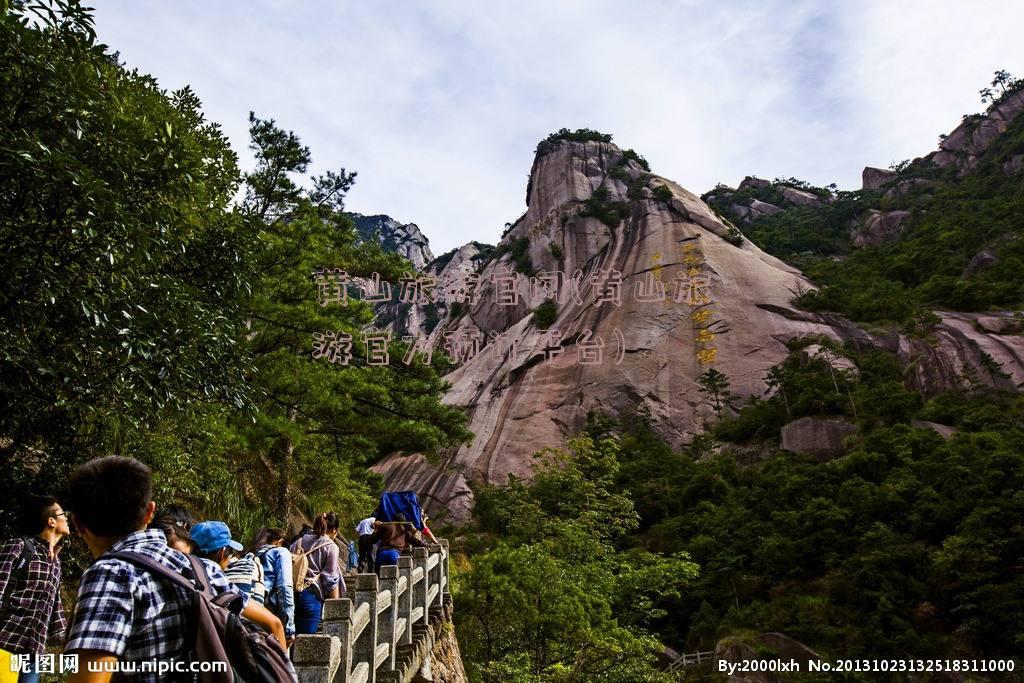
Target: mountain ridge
593,207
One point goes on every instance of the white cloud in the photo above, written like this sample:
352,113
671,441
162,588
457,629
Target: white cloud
439,105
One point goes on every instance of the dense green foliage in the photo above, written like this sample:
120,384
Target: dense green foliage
601,206
906,545
578,135
519,248
545,314
663,193
144,313
122,267
559,596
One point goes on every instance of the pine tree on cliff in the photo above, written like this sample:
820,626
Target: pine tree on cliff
328,417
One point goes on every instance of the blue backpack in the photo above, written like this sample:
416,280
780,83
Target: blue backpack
393,502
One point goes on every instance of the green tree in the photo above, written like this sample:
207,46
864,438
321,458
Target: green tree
318,421
123,268
715,386
557,599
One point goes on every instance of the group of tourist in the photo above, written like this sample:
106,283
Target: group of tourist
125,612
390,539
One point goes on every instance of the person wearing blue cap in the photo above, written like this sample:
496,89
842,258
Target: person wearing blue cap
212,541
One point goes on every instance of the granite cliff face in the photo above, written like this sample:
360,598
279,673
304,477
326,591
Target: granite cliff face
594,210
405,239
524,400
963,147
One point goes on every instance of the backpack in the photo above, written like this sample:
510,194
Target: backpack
215,631
300,565
19,570
259,581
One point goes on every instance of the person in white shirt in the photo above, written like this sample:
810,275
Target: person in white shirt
365,531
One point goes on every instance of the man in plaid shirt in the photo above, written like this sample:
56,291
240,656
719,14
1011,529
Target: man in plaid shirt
124,614
31,613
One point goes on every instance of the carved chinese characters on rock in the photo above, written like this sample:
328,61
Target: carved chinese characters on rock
599,287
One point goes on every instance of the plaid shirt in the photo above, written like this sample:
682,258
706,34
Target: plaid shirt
124,611
32,612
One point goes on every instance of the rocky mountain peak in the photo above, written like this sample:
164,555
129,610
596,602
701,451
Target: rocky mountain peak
620,290
401,238
645,276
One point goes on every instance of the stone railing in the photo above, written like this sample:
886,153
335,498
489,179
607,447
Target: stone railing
385,630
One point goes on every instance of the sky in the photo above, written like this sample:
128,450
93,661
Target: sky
439,105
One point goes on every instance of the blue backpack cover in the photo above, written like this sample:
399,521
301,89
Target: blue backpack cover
393,502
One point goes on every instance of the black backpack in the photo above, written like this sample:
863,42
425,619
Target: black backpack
19,572
217,634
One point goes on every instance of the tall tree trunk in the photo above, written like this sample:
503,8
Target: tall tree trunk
284,470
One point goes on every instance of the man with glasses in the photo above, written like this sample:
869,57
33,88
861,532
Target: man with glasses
31,613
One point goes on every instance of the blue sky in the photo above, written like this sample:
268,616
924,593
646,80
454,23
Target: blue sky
439,105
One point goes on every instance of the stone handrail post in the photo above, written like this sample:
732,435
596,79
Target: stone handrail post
405,601
364,649
387,620
421,580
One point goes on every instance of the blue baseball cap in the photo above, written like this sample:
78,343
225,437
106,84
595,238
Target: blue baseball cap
212,536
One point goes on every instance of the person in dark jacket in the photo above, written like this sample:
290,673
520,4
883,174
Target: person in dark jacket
394,538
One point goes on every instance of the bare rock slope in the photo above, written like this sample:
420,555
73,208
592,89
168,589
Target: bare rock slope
519,403
735,316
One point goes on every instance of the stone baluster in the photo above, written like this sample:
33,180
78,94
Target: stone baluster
337,621
388,620
434,550
317,658
446,569
405,603
365,647
421,594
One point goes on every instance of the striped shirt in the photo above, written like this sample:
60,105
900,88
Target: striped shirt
31,612
124,611
246,574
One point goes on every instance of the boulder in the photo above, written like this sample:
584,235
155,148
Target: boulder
837,361
1001,325
788,648
876,227
818,436
905,187
983,259
751,182
874,178
945,431
1014,165
754,210
759,208
799,197
956,348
